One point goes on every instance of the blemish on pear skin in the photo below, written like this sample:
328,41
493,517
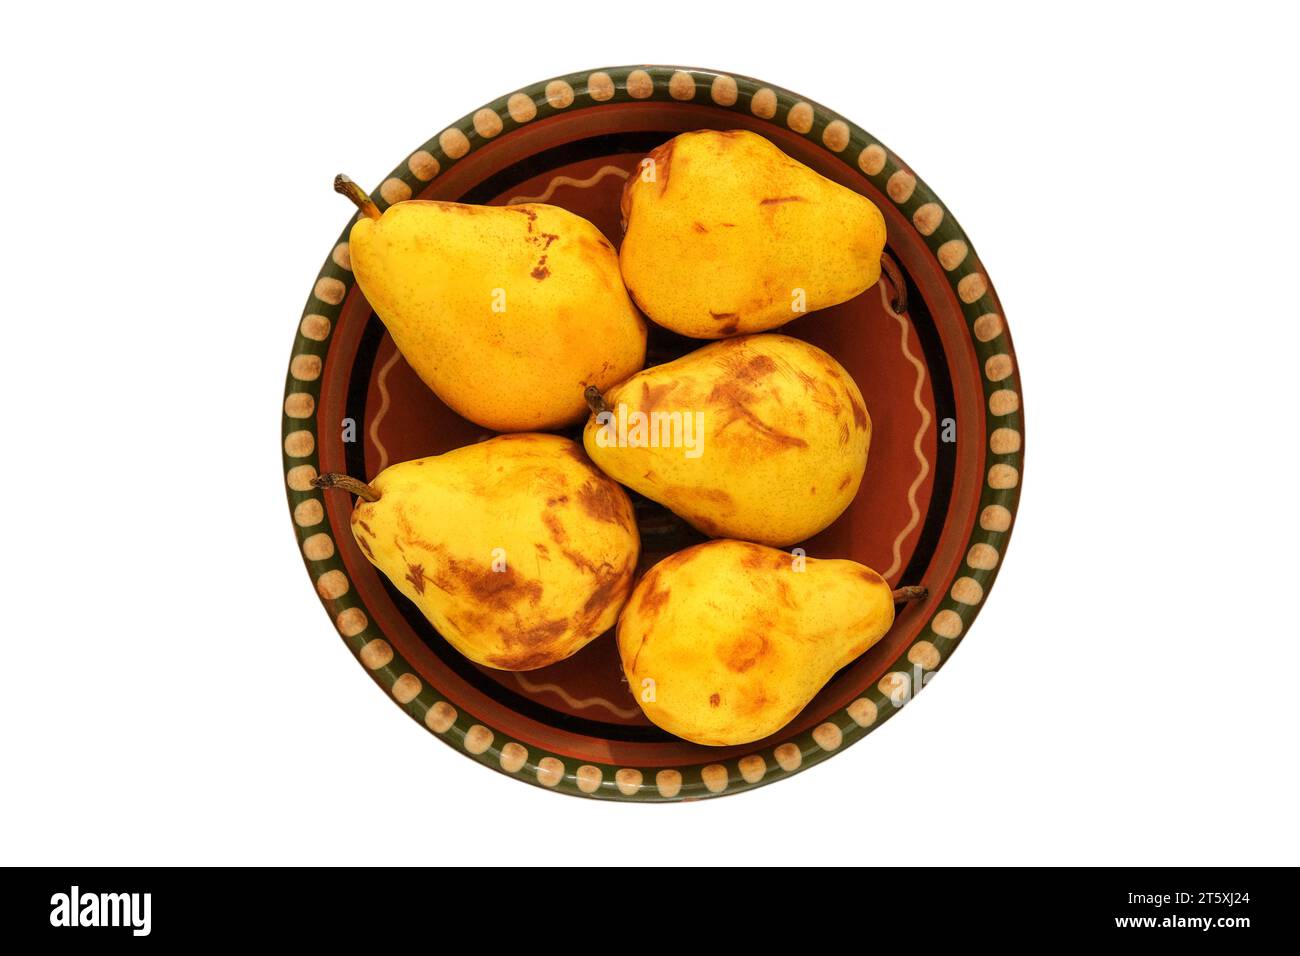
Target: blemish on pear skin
783,592
715,700
745,653
845,482
706,525
757,367
601,502
860,417
759,558
531,214
365,546
601,597
652,395
448,208
596,249
778,200
576,453
736,398
871,577
645,639
524,661
415,574
700,227
612,589
537,634
583,563
365,527
501,590
408,533
653,598
541,271
753,702
555,527
677,559
746,367
715,497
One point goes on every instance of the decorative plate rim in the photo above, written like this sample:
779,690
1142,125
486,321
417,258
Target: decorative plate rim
986,541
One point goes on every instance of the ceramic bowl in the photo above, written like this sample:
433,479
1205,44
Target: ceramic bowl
936,506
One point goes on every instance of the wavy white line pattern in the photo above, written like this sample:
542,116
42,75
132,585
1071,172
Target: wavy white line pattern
559,181
383,409
916,442
577,703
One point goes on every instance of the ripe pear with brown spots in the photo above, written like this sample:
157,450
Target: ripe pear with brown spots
728,235
761,437
516,549
726,642
506,312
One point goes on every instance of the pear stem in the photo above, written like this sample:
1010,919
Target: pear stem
347,187
595,401
346,482
913,592
895,276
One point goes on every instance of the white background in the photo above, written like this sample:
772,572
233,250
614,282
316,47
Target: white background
171,690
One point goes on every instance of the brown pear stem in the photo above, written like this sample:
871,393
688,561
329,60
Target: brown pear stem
346,482
347,187
913,592
895,276
595,400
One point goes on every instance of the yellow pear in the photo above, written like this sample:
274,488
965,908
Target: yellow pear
761,437
506,312
516,549
726,235
726,642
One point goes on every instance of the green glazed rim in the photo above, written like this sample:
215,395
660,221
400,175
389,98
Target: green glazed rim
986,544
